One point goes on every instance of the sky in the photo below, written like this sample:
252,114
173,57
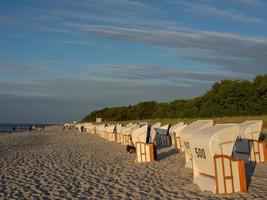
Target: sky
62,59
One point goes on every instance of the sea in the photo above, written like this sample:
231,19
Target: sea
9,128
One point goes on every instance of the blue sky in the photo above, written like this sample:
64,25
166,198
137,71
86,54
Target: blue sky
61,59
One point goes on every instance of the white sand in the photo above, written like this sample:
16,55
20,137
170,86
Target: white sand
57,164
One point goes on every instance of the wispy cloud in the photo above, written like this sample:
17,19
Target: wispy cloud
213,43
156,74
80,42
205,10
230,14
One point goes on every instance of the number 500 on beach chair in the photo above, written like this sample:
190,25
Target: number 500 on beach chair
186,135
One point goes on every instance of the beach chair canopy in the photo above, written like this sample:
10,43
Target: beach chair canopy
110,128
174,132
250,129
127,129
140,134
186,135
207,142
192,128
163,130
174,127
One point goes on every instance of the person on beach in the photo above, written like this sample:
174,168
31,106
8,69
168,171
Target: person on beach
130,148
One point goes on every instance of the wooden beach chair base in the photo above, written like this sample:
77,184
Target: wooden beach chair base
145,152
258,151
230,176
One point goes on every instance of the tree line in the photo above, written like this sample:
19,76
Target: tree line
225,98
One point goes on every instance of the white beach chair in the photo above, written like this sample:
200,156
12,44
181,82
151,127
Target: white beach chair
145,152
87,126
100,130
186,135
126,133
92,129
214,168
120,130
110,132
247,146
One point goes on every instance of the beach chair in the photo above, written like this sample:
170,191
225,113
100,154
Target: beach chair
186,135
213,167
119,134
176,128
120,130
126,134
87,126
162,138
100,130
80,127
92,129
112,133
145,152
247,145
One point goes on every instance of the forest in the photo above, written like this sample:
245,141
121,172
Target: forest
225,98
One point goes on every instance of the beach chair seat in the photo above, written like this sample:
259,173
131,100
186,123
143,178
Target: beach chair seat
162,138
152,132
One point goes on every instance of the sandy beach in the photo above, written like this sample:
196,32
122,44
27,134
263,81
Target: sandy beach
56,164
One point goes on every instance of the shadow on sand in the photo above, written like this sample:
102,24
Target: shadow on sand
166,154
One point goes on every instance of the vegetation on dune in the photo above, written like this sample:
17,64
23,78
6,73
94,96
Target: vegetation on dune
225,98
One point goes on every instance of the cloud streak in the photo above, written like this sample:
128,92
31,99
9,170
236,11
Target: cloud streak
205,10
231,47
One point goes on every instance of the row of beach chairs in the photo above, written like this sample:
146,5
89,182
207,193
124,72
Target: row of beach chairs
220,155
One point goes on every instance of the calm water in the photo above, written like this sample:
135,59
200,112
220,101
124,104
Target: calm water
8,128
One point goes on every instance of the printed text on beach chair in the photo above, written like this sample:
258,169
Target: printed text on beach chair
214,168
186,135
247,145
145,152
